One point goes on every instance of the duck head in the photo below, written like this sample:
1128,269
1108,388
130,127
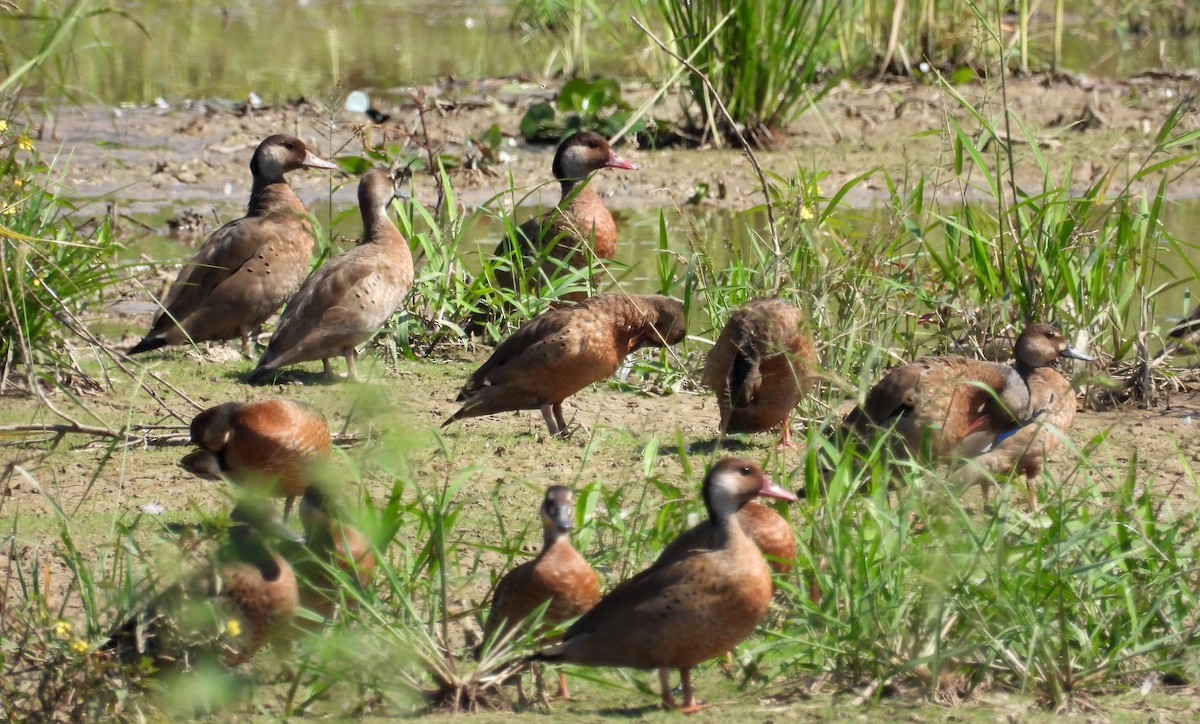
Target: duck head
583,153
282,153
1041,344
558,512
666,316
732,482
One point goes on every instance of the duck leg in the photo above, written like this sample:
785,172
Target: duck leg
664,681
562,692
351,373
287,506
786,442
558,417
328,368
689,697
551,423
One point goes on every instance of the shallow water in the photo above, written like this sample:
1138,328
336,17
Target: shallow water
720,234
278,50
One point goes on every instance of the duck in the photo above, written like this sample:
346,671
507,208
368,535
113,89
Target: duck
563,350
277,446
347,300
558,578
769,530
954,407
762,364
1023,448
248,268
580,227
679,614
331,543
249,595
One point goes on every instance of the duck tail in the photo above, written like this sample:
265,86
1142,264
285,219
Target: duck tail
148,343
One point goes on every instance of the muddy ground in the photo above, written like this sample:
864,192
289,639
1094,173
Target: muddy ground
149,161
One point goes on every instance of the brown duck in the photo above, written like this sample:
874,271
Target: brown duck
1023,449
249,267
348,299
761,365
559,352
580,227
276,446
249,595
558,575
332,544
684,612
951,407
769,530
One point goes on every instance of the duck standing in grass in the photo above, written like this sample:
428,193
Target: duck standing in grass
563,350
761,365
678,614
346,301
558,578
580,228
276,446
953,407
249,267
247,598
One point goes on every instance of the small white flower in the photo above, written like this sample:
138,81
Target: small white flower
154,508
469,23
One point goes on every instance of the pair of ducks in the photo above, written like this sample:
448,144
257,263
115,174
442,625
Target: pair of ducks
248,268
272,448
704,594
250,594
761,365
992,418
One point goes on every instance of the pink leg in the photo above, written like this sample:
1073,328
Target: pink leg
786,443
689,698
664,680
562,692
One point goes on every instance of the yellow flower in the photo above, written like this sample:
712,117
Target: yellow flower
806,214
233,627
18,183
62,628
25,143
79,645
9,210
3,125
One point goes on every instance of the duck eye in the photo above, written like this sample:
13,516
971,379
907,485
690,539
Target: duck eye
745,470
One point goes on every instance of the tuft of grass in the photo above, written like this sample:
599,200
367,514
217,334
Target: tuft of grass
49,271
763,59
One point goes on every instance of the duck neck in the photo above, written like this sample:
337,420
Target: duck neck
550,536
573,188
724,524
1024,369
378,227
267,195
